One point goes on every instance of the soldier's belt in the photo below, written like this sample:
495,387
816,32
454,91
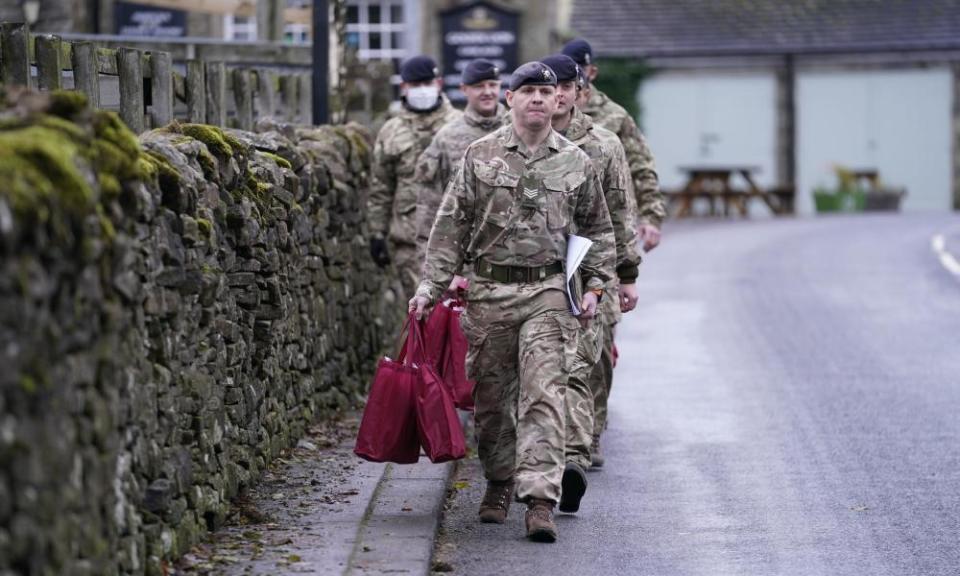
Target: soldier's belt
516,274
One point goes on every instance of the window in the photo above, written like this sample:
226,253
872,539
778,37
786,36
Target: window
376,29
240,28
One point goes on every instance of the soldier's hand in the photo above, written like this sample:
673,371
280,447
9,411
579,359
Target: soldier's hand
650,235
378,251
628,297
588,307
458,283
418,304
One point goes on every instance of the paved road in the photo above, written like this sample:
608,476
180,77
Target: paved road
787,403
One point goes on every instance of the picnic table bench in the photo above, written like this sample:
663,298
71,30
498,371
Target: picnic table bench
714,184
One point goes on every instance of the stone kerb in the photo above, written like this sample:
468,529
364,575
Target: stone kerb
174,312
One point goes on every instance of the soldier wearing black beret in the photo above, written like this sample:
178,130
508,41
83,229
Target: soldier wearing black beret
480,83
392,202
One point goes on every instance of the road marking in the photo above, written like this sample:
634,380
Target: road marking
939,245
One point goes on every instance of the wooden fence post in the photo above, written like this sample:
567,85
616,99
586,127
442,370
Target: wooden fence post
86,77
243,97
49,62
288,92
14,43
131,88
266,93
161,83
196,92
217,94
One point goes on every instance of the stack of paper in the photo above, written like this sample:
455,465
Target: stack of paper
577,247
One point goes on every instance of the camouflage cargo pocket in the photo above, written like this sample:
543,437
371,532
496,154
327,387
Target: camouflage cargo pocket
560,198
502,185
570,337
476,340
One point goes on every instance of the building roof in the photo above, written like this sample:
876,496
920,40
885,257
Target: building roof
717,27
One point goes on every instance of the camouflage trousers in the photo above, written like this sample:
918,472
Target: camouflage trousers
588,388
408,265
580,395
522,343
601,379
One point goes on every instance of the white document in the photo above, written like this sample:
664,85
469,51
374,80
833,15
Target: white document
577,247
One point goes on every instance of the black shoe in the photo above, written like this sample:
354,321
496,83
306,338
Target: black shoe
573,486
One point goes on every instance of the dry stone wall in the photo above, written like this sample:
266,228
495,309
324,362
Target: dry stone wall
174,311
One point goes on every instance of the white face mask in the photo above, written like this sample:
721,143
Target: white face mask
422,97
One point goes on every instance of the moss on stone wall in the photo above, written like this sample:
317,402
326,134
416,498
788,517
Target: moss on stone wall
208,301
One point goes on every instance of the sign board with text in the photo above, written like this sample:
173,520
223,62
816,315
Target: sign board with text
149,21
477,30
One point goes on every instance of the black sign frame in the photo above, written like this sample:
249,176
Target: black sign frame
140,20
478,30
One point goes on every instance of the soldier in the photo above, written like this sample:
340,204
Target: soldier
506,216
480,83
615,118
605,151
393,195
649,199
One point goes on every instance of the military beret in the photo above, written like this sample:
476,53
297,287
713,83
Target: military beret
580,50
565,68
419,69
479,70
533,73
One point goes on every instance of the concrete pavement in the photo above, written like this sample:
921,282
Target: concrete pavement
320,510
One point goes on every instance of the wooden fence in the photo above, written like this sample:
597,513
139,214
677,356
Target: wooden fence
151,92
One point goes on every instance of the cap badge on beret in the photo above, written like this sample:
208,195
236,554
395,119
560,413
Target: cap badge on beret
546,74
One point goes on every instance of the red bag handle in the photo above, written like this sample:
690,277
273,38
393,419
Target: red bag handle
412,330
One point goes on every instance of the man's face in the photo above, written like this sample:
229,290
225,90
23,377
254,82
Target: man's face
591,71
533,106
583,96
405,86
566,97
482,96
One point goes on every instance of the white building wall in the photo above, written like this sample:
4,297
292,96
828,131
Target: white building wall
896,121
711,119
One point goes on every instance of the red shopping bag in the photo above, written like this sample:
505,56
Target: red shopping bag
388,430
435,334
441,433
453,366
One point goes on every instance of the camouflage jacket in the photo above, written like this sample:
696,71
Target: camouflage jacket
616,119
393,194
516,207
441,160
609,160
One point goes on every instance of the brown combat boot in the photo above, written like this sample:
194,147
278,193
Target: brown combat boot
496,502
596,457
539,520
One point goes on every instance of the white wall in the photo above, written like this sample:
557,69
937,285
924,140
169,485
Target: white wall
897,121
711,119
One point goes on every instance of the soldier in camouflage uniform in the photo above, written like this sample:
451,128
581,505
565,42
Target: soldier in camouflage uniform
649,200
393,195
615,118
505,218
606,152
440,161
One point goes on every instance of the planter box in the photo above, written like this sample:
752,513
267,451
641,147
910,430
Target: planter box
839,202
884,200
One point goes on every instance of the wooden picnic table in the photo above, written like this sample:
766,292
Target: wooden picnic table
713,183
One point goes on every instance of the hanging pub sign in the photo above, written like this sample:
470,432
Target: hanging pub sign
477,30
150,21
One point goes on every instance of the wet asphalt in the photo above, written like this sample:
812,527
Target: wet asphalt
787,402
